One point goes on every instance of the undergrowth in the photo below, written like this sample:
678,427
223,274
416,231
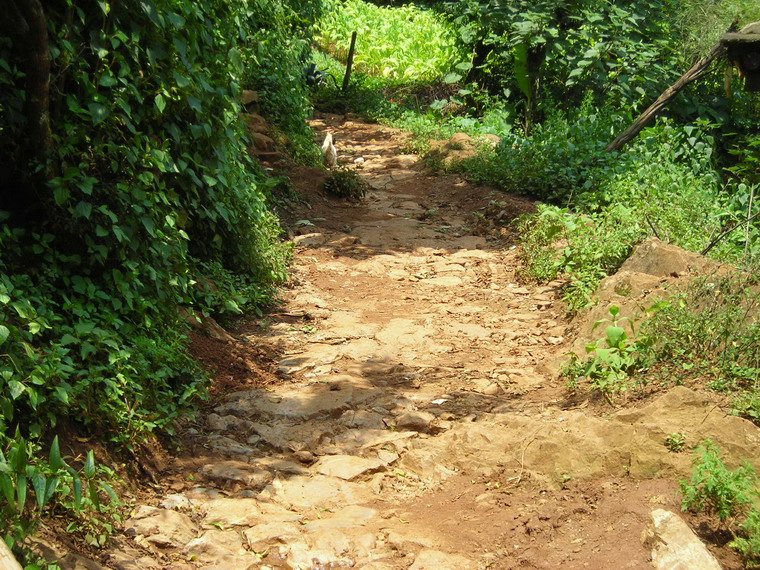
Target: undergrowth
706,335
731,495
139,203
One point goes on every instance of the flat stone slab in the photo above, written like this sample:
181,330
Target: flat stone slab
215,544
675,546
301,403
237,472
163,528
348,467
316,491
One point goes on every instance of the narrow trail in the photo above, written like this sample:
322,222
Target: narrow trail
419,424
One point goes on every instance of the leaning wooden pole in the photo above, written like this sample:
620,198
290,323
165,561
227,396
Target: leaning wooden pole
7,560
350,62
696,71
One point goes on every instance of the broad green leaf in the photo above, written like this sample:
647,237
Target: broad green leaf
50,489
107,80
160,103
615,335
521,70
452,77
236,59
39,482
83,209
67,339
6,408
15,388
98,113
4,333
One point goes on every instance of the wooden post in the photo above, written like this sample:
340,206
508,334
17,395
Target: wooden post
696,71
7,560
350,62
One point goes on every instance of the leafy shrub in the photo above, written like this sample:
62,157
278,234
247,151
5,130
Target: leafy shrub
716,489
30,488
274,52
731,495
712,326
539,53
345,184
560,157
583,247
405,42
609,369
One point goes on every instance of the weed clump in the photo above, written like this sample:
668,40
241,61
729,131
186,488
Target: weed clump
345,184
731,495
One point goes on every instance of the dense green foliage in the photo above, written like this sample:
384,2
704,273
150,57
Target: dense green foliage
145,201
731,495
405,42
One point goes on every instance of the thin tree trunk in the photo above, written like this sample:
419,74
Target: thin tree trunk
34,44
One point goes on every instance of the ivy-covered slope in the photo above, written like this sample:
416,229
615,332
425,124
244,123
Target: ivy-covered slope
127,192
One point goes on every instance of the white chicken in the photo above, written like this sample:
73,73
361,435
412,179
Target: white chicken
329,152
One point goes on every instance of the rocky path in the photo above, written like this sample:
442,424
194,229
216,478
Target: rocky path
418,424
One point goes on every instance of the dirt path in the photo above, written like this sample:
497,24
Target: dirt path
417,425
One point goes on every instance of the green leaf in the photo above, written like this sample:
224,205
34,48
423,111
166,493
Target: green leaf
160,103
6,409
84,327
21,486
39,482
4,333
521,70
67,339
60,195
615,336
52,485
83,209
15,388
6,485
77,494
55,460
107,80
110,492
236,59
452,77
89,465
181,80
98,113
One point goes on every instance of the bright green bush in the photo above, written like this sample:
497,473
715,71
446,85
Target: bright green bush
584,248
732,495
405,42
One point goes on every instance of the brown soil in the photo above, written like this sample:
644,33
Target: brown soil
407,303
